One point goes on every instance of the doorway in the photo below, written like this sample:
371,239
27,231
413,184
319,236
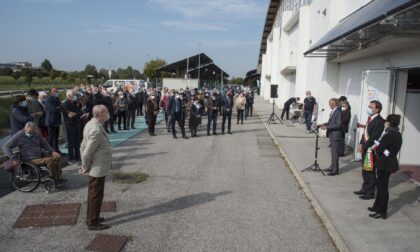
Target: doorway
409,156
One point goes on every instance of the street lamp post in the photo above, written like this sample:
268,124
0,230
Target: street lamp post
110,66
199,63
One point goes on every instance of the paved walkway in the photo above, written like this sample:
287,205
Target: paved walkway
347,213
212,193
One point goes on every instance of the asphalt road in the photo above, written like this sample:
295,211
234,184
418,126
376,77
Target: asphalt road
212,193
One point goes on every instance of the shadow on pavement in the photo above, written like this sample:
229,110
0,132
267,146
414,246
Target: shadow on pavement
405,198
171,206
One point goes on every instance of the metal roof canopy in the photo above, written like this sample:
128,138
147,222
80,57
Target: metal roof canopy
367,25
191,64
269,22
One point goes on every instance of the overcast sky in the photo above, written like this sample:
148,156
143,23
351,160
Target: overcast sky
73,33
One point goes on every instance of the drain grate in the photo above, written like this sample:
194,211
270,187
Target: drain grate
109,206
107,243
48,215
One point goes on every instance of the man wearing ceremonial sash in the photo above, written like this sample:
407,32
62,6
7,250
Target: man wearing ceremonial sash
373,130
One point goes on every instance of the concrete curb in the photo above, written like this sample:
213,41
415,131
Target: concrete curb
331,230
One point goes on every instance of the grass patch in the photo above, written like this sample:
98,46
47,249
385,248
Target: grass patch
129,178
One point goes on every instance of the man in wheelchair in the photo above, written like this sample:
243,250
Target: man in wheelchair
32,147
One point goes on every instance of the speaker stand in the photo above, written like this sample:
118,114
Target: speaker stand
273,117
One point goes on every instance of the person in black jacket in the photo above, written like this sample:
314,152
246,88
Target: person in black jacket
345,121
386,149
373,130
19,114
53,118
109,104
286,107
212,111
249,103
132,106
308,108
71,115
195,115
227,106
141,97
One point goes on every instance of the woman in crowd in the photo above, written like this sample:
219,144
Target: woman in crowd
195,116
240,103
387,149
122,109
345,121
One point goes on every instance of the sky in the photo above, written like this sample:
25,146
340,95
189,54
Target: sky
74,33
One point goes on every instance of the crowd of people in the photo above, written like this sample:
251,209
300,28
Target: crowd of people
379,145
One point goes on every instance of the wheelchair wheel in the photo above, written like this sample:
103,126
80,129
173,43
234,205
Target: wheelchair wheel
26,177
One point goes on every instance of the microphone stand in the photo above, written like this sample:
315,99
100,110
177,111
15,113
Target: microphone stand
315,166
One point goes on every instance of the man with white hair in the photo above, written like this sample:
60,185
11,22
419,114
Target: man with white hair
96,161
32,147
71,114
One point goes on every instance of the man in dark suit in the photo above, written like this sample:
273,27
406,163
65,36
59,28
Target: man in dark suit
212,111
71,115
373,130
286,107
334,132
227,105
177,114
53,118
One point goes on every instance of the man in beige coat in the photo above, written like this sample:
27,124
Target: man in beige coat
96,156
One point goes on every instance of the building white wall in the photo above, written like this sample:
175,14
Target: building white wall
176,83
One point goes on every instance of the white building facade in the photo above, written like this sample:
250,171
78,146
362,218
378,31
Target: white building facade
361,49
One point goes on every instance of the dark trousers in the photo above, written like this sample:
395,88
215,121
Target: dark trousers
308,119
212,117
286,111
95,196
177,117
193,129
240,116
109,125
131,118
151,124
53,133
382,194
73,140
342,145
369,183
335,149
140,109
227,115
122,115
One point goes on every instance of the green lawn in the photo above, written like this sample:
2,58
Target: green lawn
10,87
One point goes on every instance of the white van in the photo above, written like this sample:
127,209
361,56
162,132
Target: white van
113,85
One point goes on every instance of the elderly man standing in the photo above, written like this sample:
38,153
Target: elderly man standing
31,148
96,160
71,115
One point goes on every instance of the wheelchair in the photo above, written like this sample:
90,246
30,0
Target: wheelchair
27,176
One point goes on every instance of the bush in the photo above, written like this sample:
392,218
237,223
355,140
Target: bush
7,80
57,81
21,80
36,80
5,112
45,80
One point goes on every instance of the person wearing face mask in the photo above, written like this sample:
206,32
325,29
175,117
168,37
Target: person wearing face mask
35,108
19,114
121,105
373,130
175,109
152,109
31,148
53,118
71,115
240,103
386,149
212,112
42,127
169,100
345,121
96,156
308,108
132,106
227,106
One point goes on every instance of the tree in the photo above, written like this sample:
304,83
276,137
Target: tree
91,70
150,68
103,73
46,65
237,80
63,75
28,73
54,74
7,71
